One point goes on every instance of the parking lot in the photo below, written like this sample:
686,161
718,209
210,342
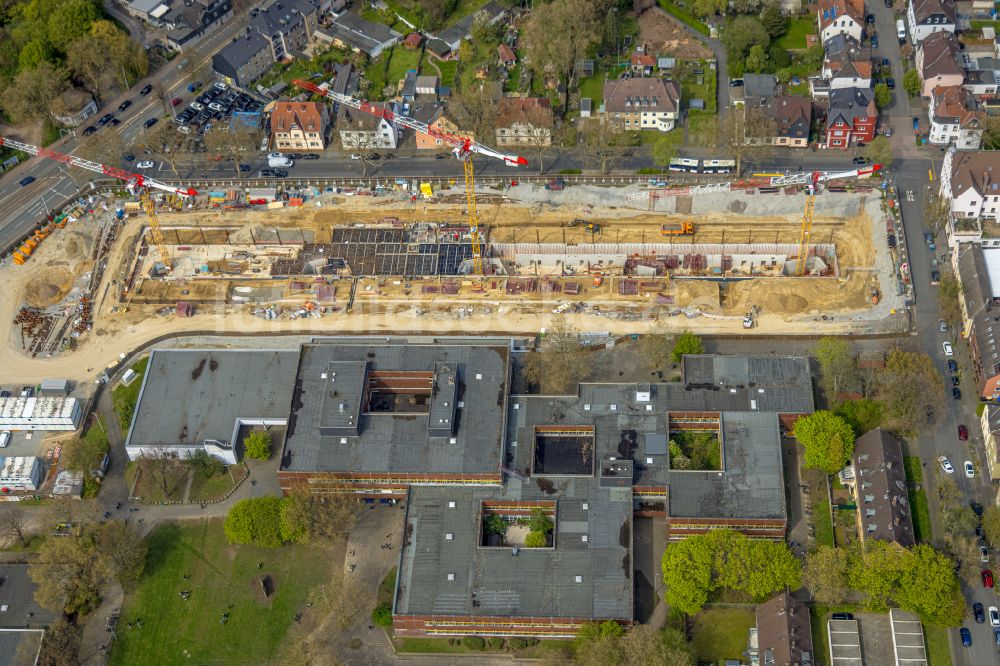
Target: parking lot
37,443
214,106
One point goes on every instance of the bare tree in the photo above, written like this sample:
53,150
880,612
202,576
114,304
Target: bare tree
560,363
603,145
474,110
540,130
160,463
13,524
746,133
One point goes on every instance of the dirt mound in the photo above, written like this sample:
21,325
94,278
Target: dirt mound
665,37
49,288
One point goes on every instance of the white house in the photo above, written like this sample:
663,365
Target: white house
970,181
925,17
841,17
642,103
363,130
848,73
955,118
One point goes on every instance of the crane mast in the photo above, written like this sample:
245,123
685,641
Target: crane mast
463,148
135,182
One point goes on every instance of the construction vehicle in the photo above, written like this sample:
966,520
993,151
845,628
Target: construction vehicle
677,229
592,227
462,148
136,183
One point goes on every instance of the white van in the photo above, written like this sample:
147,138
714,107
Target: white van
4,439
900,30
278,160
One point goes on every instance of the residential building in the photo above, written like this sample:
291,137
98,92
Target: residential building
757,90
782,635
56,413
642,64
982,83
454,35
793,119
209,400
524,121
149,11
359,129
409,90
843,47
840,17
989,422
978,272
345,82
939,62
244,60
970,181
848,73
851,117
73,106
879,487
925,17
506,55
437,120
350,31
413,41
299,126
955,118
642,103
188,22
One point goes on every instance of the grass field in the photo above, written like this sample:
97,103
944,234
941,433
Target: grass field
918,499
223,578
721,633
447,68
701,129
823,523
690,89
938,650
798,28
125,397
215,487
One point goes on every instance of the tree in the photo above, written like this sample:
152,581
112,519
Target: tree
60,645
558,34
485,31
536,540
13,524
205,464
69,572
382,615
882,95
874,571
862,415
879,151
539,136
929,587
837,366
33,91
255,521
936,214
474,110
911,82
825,574
667,647
746,6
320,520
774,20
756,60
84,455
34,53
71,19
991,525
161,464
257,445
123,547
706,8
745,133
909,388
657,348
559,364
664,149
742,33
948,292
495,524
687,343
828,440
106,149
88,61
603,145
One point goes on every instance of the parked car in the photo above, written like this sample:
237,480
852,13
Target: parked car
870,19
945,465
150,122
994,616
105,119
978,613
942,325
736,83
197,106
842,616
145,164
916,123
128,157
948,350
984,554
244,168
935,278
176,101
970,470
996,636
963,433
966,637
956,393
875,41
310,156
890,83
952,365
987,578
90,130
146,90
124,105
27,180
859,161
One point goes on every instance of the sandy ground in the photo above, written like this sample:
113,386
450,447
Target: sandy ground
664,37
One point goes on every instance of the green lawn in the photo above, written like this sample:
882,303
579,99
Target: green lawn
387,588
150,489
979,25
216,487
690,89
683,15
918,499
823,523
938,650
447,68
721,633
403,60
125,397
701,129
798,28
593,87
223,578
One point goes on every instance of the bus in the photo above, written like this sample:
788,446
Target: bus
718,166
685,164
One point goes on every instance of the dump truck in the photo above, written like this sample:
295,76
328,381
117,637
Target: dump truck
677,229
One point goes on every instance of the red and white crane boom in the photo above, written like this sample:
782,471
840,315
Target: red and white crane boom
134,181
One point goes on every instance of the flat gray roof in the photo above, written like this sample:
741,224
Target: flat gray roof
11,650
17,593
538,582
907,638
397,442
190,395
844,638
762,383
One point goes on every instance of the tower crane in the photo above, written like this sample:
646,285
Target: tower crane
136,183
463,149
